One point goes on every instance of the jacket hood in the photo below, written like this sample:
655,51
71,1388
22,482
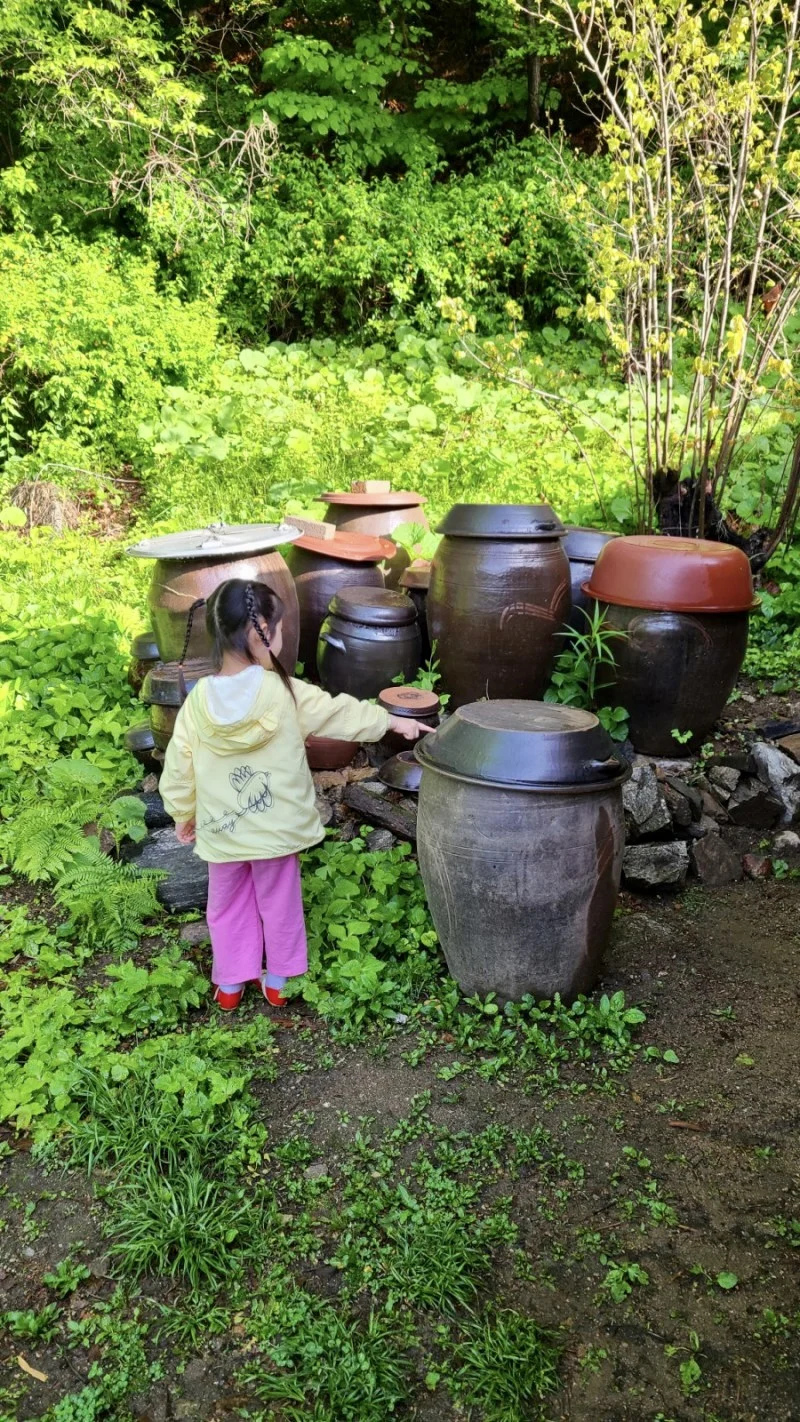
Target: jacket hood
237,717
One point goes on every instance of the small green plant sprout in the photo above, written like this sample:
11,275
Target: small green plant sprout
780,869
427,678
621,1278
682,737
36,1326
726,1281
725,1014
578,677
66,1277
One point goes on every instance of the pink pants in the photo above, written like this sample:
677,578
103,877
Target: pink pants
253,905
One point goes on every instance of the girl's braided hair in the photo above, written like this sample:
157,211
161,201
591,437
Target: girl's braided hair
236,607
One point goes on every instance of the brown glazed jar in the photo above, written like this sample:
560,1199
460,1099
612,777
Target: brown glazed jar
320,567
144,655
369,637
416,581
412,703
140,743
520,835
377,515
582,547
191,565
499,596
164,694
683,605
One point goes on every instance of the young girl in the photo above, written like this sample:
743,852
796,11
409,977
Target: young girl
237,784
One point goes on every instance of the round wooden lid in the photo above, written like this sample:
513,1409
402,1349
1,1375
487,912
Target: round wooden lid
408,701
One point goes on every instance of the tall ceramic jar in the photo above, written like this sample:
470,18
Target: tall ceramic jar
416,581
582,547
191,565
684,606
163,692
377,515
520,835
498,598
144,655
370,637
320,567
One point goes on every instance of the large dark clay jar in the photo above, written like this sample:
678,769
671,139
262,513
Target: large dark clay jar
191,565
684,607
582,547
520,835
163,692
416,581
144,655
370,637
498,598
320,567
377,515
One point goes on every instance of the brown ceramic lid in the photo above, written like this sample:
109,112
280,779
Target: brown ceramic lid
145,647
377,607
408,701
402,772
672,575
582,545
513,521
349,547
418,575
402,500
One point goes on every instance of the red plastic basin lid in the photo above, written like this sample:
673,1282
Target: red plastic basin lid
672,575
402,500
349,547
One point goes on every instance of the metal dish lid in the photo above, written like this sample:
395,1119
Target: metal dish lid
582,545
379,607
417,577
402,500
349,547
523,745
145,647
218,540
408,701
162,685
513,521
402,772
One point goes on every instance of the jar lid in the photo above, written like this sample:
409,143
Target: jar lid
162,685
582,545
524,745
402,500
417,575
408,701
513,521
145,647
380,607
672,575
402,772
349,547
139,737
218,540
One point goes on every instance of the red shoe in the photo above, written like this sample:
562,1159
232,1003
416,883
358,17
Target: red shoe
274,996
228,1001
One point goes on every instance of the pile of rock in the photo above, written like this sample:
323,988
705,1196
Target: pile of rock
677,812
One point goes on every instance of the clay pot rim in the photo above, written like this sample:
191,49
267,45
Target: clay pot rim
144,647
349,547
579,533
381,611
666,605
485,521
665,574
402,500
409,773
527,787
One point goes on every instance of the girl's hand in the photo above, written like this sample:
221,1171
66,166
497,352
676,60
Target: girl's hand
185,833
409,730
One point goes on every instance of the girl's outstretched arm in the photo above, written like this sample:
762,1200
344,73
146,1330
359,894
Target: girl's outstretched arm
341,717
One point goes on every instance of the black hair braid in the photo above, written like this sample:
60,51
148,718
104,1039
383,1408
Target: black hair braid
201,602
250,604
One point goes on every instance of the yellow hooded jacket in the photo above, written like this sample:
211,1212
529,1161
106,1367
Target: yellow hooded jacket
236,763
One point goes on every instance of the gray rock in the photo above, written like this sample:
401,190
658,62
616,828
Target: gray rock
689,792
781,774
640,794
669,765
754,806
374,787
788,842
678,806
660,818
712,807
186,884
714,862
724,779
196,932
324,809
655,866
705,825
380,840
316,1170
